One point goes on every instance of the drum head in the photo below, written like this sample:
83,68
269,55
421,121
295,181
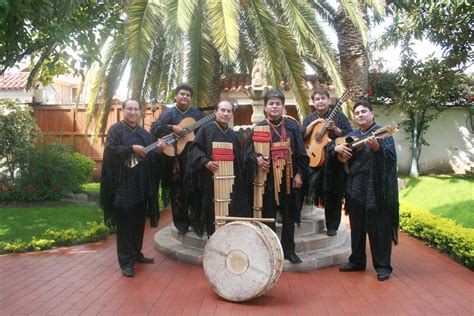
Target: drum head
238,261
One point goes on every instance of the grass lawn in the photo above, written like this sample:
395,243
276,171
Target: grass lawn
91,187
21,223
443,195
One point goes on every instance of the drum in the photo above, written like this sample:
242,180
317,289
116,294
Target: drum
243,260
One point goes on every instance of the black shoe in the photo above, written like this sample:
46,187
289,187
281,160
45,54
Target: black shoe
293,258
145,260
382,276
349,267
128,272
332,232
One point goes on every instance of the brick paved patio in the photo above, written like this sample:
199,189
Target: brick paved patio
86,280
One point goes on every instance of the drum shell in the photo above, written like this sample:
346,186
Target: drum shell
243,260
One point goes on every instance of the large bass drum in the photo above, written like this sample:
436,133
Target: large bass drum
243,260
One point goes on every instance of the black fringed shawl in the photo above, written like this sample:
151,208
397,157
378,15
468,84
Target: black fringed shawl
121,185
372,183
299,159
201,184
326,178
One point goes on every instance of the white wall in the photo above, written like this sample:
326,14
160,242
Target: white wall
451,148
22,95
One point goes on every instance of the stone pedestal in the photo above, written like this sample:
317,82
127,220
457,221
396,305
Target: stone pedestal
256,93
315,248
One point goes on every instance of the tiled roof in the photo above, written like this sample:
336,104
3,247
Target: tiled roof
14,81
237,82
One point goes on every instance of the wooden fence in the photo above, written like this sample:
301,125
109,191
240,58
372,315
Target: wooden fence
67,124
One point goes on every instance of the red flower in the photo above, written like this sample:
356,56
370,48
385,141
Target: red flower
470,98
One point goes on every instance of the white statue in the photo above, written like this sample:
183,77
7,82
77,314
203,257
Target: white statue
259,76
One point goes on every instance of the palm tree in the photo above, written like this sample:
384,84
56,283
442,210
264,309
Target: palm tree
163,41
352,45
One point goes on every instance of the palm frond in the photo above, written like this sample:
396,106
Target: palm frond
378,6
325,10
178,18
152,86
223,16
318,45
266,30
353,11
107,80
141,30
200,57
296,24
294,70
98,73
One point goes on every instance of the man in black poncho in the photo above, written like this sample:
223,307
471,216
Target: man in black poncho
127,189
281,129
371,194
320,192
201,167
172,169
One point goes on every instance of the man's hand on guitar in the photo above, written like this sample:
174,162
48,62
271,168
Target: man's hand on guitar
310,127
344,151
139,151
373,143
212,166
160,146
179,131
297,181
263,163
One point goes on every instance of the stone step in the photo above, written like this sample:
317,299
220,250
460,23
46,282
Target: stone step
336,254
307,237
167,245
304,244
322,258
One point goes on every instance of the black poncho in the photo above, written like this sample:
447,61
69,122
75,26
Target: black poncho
123,186
199,179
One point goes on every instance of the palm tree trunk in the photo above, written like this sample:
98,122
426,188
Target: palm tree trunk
352,55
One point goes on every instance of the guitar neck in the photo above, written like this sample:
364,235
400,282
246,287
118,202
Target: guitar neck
334,110
168,140
379,134
201,122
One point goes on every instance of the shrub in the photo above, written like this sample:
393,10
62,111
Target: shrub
47,173
81,169
444,234
18,134
52,238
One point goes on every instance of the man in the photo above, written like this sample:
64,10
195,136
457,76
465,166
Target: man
127,189
202,165
371,194
281,129
323,190
173,168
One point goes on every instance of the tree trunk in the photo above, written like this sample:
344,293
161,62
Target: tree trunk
352,55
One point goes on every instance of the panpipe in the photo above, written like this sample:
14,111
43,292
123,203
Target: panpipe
281,162
261,139
223,154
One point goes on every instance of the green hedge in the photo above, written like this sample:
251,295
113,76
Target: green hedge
444,234
57,238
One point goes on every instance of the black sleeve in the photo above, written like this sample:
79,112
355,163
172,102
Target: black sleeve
160,128
197,155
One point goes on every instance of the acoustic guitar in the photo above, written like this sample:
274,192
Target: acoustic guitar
188,124
354,142
320,136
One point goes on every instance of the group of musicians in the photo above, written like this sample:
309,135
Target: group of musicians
365,179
